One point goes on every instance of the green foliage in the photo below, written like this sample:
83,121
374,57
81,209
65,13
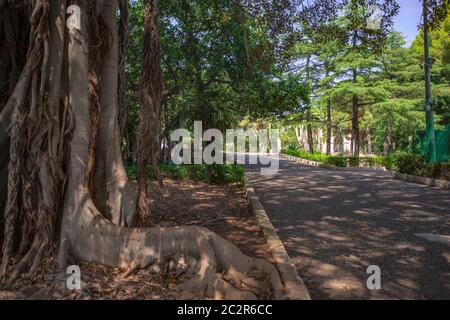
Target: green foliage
373,162
215,174
440,171
226,60
416,165
440,72
388,85
399,161
409,163
222,61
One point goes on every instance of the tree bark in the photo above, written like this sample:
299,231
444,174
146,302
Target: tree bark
309,130
122,79
329,127
355,141
151,95
355,146
60,178
369,141
113,195
388,142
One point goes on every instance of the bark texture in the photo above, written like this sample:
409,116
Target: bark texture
151,94
122,84
309,130
329,127
65,157
13,52
355,147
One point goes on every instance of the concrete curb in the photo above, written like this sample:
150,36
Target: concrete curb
398,176
294,285
331,167
422,180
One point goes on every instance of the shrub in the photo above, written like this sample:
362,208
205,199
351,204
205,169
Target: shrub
337,161
377,161
399,161
293,147
354,161
440,171
409,164
218,174
384,162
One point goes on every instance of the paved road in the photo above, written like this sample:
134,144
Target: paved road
336,224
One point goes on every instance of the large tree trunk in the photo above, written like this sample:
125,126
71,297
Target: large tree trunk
151,94
74,166
113,195
122,84
13,49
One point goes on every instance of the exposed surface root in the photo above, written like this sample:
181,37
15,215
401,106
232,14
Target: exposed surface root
218,268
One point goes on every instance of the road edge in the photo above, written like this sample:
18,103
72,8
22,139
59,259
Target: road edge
423,181
442,184
331,167
294,285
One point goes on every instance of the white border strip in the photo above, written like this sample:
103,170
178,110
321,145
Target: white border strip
332,167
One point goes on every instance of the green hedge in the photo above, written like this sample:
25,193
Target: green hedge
401,161
416,165
376,161
218,174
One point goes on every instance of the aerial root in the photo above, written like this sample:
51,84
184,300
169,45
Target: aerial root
28,264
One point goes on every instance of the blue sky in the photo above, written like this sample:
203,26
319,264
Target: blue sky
408,19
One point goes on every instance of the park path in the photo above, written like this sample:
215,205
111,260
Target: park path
336,224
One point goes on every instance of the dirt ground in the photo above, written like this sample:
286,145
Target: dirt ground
222,209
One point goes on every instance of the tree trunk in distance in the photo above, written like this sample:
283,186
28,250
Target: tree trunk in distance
329,127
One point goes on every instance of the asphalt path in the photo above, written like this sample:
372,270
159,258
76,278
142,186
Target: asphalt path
336,224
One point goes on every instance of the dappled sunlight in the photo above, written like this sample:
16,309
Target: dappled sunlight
339,288
329,236
336,224
409,246
419,216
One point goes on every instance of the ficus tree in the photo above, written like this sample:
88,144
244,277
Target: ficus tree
66,188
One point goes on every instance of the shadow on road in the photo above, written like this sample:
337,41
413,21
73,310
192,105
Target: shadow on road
336,224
